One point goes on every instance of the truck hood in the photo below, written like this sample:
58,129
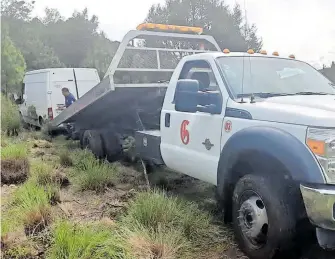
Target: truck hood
311,110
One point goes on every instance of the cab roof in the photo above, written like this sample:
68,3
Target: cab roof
215,55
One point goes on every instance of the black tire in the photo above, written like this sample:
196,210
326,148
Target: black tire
92,140
40,122
24,124
81,138
112,145
277,235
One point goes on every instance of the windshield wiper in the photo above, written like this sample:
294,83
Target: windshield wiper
311,93
263,95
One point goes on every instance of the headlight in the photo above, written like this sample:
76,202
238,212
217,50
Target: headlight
322,143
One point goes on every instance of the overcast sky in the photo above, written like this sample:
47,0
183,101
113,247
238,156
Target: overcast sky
305,28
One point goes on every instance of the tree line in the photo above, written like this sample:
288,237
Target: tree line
30,43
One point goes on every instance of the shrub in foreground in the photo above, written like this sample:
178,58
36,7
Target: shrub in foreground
71,241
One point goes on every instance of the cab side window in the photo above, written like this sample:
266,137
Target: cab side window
197,89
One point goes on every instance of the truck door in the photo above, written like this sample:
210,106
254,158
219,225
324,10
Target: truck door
190,141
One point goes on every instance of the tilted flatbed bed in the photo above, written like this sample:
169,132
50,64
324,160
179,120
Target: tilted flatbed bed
134,85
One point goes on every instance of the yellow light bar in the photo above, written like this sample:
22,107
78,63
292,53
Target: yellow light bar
169,28
226,51
275,53
263,52
292,56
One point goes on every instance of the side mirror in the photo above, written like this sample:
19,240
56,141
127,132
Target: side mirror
186,95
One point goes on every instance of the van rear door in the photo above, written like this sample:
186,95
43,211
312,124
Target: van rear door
86,79
60,78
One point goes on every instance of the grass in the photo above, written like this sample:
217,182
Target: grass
154,209
92,174
155,224
14,163
31,204
14,151
65,159
94,241
97,176
161,242
160,226
10,117
82,158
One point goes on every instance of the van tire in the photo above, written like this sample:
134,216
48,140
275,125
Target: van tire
272,205
112,145
93,141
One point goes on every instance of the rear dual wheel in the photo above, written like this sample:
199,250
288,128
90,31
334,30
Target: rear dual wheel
103,144
91,139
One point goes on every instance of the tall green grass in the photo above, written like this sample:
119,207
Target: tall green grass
10,117
31,205
93,174
160,242
161,226
42,173
156,209
94,241
14,151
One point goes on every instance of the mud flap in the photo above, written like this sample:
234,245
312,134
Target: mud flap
326,238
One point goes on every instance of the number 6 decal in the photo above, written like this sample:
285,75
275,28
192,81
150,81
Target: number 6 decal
184,133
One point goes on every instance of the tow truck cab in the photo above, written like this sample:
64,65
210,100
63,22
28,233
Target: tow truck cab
262,129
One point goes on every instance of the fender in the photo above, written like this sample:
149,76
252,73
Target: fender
265,151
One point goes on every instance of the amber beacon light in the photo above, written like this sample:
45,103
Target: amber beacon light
169,28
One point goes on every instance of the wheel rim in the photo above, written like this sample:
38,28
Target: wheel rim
253,221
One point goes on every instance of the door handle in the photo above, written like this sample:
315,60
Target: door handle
167,120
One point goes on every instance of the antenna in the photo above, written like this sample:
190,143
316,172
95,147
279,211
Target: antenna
245,33
242,92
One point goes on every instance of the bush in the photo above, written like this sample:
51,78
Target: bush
155,209
10,117
71,241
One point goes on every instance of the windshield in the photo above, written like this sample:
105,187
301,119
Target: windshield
272,76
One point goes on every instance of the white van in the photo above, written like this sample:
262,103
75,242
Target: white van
42,97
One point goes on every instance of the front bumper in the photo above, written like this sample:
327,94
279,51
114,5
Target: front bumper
320,207
320,204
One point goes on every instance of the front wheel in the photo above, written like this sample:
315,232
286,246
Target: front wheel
263,217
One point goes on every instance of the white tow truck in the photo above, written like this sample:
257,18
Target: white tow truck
260,127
